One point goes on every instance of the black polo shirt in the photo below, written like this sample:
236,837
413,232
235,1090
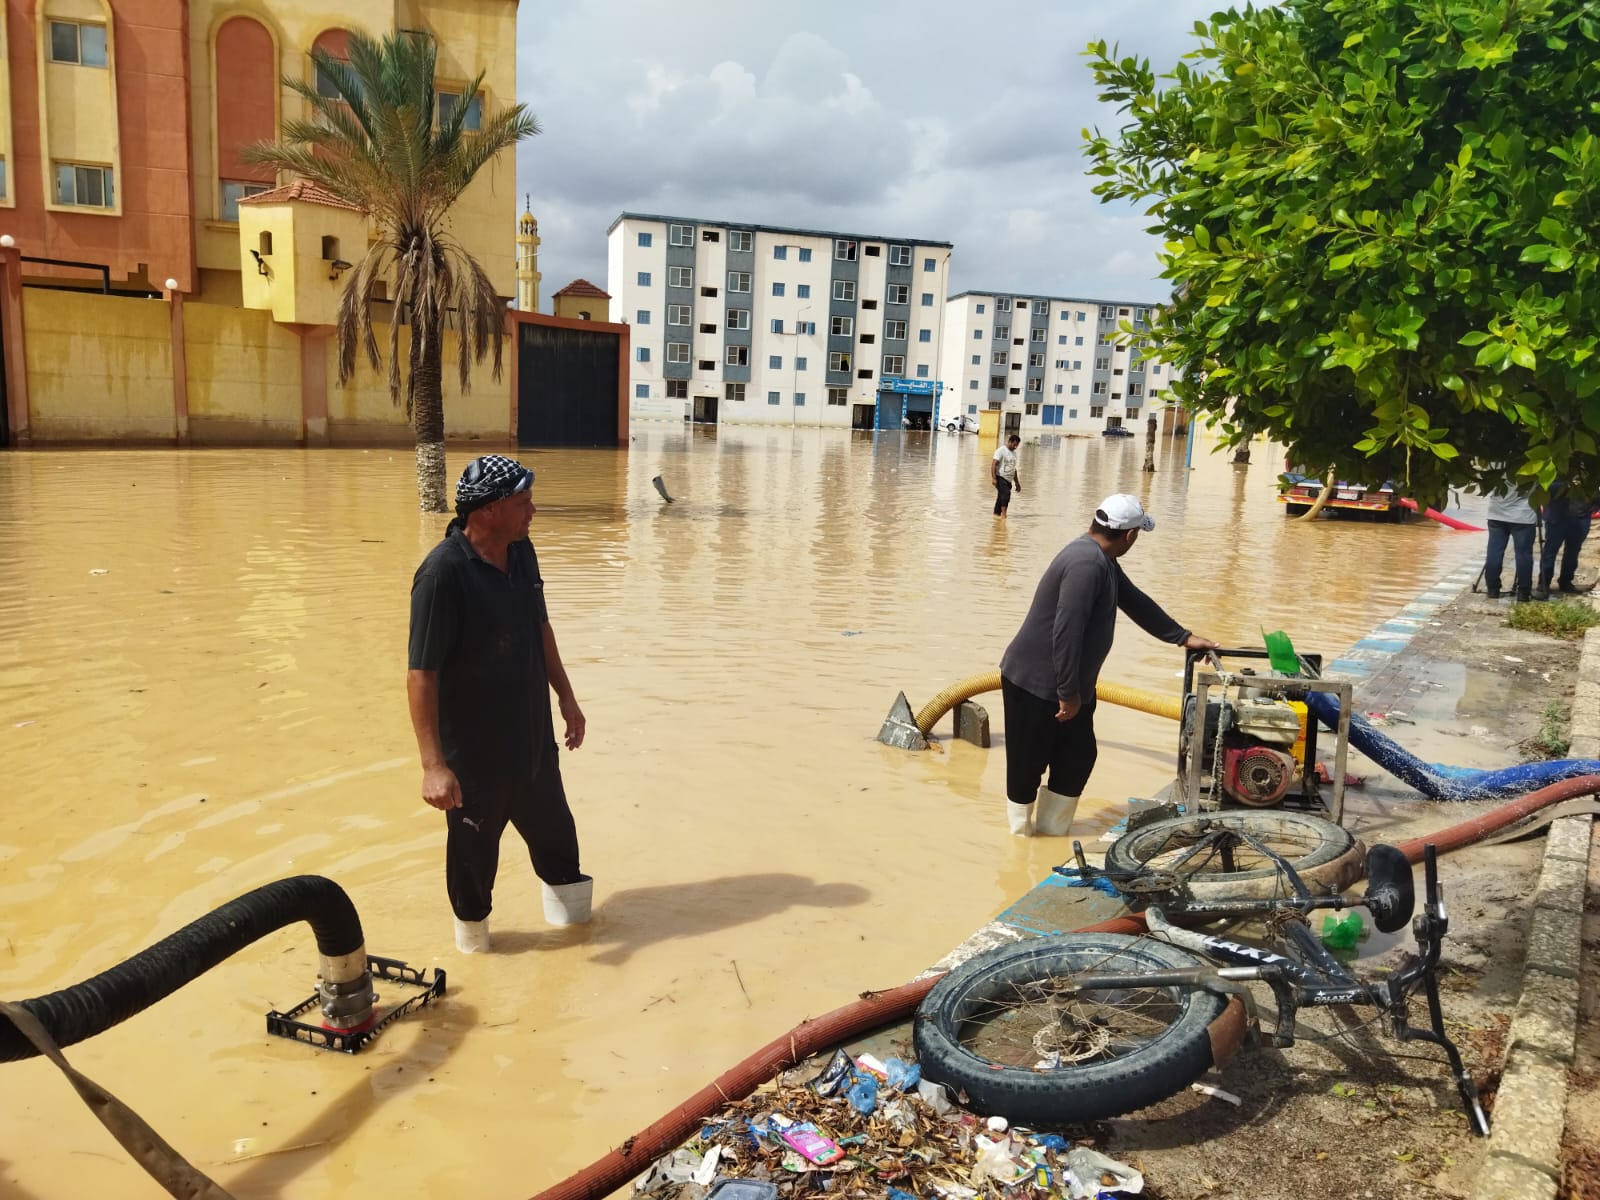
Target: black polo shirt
481,629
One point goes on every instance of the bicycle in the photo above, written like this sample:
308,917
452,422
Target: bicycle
1084,1026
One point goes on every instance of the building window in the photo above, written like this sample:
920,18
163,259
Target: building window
867,339
737,356
710,293
1041,308
805,253
738,281
1133,413
644,278
677,389
899,256
777,325
740,240
980,310
644,241
641,391
1135,388
642,354
1098,389
1102,364
1122,312
1002,332
838,361
843,250
678,314
781,253
844,289
1072,414
734,392
806,328
802,291
84,187
1097,410
838,397
997,382
972,385
1036,335
775,362
864,373
800,363
680,277
1002,304
1140,314
1057,389
710,235
1077,341
1036,360
738,318
976,359
1075,392
1082,316
977,335
869,305
1156,370
1061,364
707,327
927,299
1036,385
773,397
1077,364
1031,409
842,326
922,370
84,45
642,317
680,235
928,264
445,107
999,358
1107,313
799,399
924,335
898,293
678,352
233,191
777,289
707,364
874,251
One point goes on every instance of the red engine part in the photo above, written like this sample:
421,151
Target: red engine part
1257,775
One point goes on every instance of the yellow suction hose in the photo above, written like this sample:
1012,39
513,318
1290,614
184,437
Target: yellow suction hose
1170,707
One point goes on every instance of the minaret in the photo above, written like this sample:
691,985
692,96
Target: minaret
527,262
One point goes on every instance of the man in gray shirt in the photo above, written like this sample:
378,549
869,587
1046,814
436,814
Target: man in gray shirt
1048,674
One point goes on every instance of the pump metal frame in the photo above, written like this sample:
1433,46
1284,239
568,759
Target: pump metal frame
392,970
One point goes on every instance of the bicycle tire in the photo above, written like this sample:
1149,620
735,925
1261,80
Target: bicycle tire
1204,1031
1326,856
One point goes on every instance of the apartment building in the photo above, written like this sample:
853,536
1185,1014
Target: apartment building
1049,364
760,324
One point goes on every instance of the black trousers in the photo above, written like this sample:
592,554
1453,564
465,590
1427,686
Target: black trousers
1002,494
1035,740
536,808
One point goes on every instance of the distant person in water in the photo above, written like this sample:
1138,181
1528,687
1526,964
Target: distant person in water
483,661
1003,474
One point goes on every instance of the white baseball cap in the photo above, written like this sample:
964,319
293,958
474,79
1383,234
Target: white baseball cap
1123,511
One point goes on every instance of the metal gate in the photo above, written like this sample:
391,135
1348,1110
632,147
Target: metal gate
567,386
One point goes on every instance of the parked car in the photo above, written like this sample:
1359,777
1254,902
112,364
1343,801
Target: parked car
959,423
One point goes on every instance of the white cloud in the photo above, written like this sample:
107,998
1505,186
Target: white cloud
927,119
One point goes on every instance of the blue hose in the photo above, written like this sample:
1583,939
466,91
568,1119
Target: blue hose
1437,781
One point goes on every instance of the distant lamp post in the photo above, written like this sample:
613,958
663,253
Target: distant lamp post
172,285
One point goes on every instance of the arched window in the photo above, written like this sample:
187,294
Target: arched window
336,44
246,99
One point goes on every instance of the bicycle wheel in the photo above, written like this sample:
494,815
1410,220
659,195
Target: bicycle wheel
1010,1030
1326,856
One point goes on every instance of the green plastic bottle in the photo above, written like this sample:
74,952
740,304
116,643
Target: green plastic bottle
1342,933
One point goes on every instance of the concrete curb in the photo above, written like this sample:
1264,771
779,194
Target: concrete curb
1524,1155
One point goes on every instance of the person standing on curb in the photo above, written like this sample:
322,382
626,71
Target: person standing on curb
483,661
1513,519
1003,474
1567,516
1049,671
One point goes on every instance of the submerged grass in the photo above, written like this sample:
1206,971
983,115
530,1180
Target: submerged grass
1557,618
1554,738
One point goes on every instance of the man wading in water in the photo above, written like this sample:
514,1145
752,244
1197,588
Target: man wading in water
483,660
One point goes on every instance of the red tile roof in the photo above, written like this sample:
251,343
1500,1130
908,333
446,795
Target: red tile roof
303,190
582,287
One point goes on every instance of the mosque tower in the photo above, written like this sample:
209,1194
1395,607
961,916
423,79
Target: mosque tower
528,261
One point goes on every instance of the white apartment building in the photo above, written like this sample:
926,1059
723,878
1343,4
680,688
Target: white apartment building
1051,365
743,323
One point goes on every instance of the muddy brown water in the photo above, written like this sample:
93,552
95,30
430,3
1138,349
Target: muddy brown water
202,660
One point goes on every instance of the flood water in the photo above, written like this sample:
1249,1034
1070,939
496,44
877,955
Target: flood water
202,663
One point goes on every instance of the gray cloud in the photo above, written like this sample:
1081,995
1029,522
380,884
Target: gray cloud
925,118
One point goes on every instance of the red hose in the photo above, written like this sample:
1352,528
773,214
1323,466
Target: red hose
1440,517
876,1009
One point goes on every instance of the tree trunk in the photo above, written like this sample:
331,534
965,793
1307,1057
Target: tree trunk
1150,442
427,400
1241,453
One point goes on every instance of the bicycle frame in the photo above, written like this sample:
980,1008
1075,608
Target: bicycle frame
1306,975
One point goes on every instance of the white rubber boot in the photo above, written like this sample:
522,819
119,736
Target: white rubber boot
1052,813
568,903
472,937
1020,818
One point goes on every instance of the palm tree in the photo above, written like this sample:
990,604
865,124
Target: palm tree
375,143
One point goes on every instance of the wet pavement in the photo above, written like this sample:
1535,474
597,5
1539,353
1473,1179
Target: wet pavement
203,691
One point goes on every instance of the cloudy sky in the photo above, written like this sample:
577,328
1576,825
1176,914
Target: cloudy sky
936,119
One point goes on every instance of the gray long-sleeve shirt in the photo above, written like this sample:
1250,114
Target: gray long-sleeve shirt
1064,639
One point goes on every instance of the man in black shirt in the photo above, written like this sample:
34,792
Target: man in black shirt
483,660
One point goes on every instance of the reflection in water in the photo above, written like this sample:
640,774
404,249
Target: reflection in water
203,690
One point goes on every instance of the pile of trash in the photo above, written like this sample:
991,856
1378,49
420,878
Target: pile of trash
864,1127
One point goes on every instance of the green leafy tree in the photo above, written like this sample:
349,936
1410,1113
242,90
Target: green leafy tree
1379,219
376,143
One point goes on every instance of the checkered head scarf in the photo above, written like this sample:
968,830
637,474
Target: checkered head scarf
489,478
